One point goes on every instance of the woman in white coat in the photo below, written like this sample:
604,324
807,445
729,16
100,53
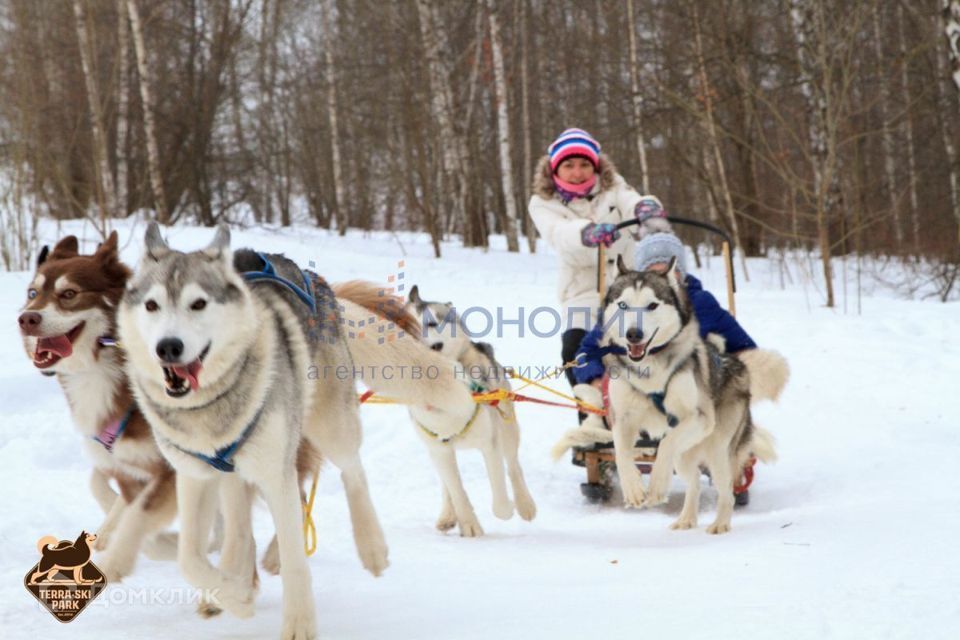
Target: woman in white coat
578,199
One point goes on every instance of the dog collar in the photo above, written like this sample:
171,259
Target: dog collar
222,458
466,427
113,431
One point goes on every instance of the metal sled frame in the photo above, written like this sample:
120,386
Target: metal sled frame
599,460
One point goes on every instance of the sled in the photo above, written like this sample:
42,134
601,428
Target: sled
598,460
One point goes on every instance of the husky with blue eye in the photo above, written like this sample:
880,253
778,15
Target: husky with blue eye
682,390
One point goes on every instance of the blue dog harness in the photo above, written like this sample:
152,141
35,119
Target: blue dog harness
222,458
269,273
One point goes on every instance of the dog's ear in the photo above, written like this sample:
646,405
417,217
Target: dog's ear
219,247
66,248
621,265
44,252
107,250
672,274
156,246
414,296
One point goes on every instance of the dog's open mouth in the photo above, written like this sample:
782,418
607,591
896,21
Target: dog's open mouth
181,379
636,351
53,349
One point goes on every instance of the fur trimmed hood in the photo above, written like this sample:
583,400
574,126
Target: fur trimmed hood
543,177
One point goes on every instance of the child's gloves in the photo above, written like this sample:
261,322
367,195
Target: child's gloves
649,207
593,235
652,216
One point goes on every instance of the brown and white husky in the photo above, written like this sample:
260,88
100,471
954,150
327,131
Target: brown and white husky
67,327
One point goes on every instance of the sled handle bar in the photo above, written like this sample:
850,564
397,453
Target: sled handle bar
727,254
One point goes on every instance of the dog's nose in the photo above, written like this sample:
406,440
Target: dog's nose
29,320
170,349
634,335
437,346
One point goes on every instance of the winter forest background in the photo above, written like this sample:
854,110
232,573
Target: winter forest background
823,128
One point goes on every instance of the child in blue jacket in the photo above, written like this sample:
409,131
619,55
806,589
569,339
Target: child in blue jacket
655,252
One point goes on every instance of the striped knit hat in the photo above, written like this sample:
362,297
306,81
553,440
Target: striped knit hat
574,142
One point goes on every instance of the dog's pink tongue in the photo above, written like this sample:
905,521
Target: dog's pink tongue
637,350
190,372
59,345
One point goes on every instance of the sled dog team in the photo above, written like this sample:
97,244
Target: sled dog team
187,378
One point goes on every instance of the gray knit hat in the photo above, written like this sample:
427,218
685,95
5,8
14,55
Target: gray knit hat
660,247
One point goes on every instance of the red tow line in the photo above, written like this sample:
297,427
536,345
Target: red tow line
747,479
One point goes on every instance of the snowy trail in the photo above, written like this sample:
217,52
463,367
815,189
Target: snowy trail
851,535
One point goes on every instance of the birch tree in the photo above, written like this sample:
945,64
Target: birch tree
107,193
149,121
637,98
340,204
123,104
503,130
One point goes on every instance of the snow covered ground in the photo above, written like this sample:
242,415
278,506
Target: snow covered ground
853,534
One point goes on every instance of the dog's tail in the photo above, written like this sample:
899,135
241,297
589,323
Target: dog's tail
386,347
46,541
374,298
591,430
763,445
768,371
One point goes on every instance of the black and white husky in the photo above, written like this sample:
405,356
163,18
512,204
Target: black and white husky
683,390
220,365
491,429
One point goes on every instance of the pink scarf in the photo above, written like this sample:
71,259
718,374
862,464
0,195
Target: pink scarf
568,191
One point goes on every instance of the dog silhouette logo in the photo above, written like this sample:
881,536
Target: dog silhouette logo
65,581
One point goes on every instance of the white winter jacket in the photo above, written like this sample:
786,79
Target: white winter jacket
611,200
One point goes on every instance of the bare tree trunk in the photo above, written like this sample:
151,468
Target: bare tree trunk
149,123
340,206
123,105
951,28
711,127
441,104
887,138
503,129
107,194
637,97
908,135
951,12
805,17
525,110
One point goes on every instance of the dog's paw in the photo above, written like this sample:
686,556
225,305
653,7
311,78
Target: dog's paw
446,522
682,524
299,626
526,507
503,510
654,500
373,554
207,609
657,495
718,527
470,528
236,596
632,486
271,558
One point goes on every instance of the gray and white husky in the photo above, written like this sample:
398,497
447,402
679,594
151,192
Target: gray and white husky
680,388
220,367
492,429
